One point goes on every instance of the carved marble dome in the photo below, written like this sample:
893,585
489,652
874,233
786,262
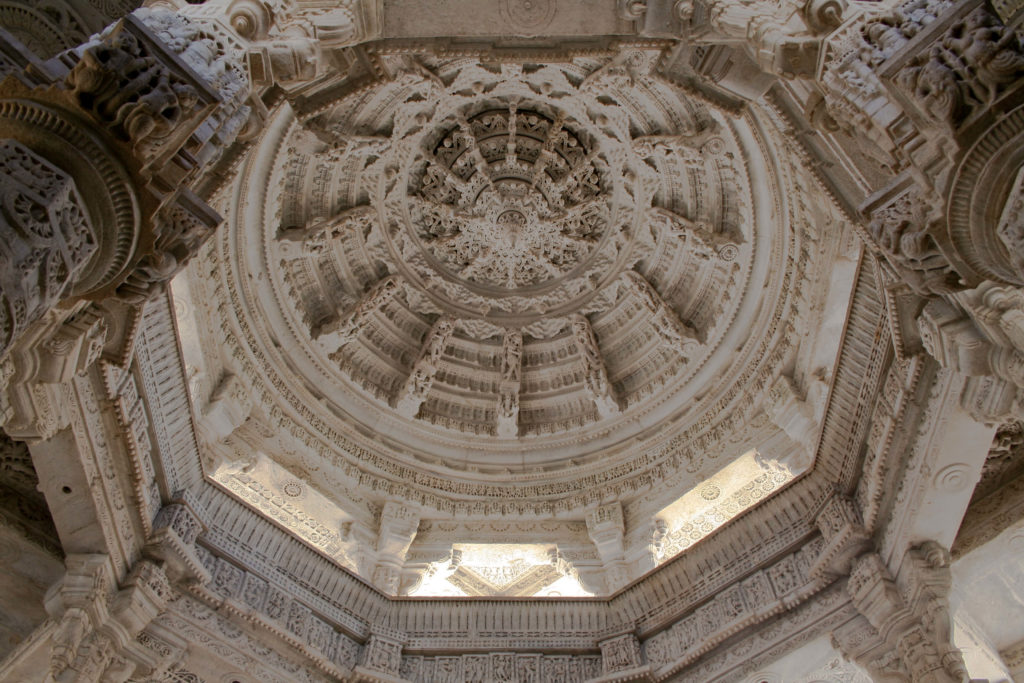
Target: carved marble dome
536,285
452,341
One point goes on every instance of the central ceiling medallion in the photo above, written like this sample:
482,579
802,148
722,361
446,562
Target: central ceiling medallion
510,211
510,199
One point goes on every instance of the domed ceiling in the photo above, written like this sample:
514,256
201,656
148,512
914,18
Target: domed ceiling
515,289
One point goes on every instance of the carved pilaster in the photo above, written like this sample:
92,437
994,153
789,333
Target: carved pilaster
56,350
229,406
796,417
606,528
776,44
845,536
173,541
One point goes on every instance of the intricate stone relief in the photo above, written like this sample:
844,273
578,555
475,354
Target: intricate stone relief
130,90
554,401
967,68
275,608
512,199
180,231
501,666
417,386
382,654
902,231
511,371
48,238
845,536
595,373
342,330
729,610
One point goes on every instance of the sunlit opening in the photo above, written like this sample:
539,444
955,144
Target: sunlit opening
523,570
741,484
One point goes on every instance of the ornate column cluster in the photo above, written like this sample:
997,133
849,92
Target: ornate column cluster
103,142
96,623
934,93
102,147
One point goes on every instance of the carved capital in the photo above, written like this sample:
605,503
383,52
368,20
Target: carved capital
175,530
845,536
398,526
910,628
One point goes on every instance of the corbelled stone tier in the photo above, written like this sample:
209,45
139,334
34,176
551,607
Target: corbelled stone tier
556,274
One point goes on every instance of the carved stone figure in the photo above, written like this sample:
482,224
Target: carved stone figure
901,231
338,332
595,377
130,89
989,54
418,384
511,369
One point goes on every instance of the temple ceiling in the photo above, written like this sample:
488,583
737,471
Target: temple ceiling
506,289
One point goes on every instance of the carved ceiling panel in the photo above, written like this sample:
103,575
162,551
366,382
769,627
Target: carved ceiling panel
476,282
